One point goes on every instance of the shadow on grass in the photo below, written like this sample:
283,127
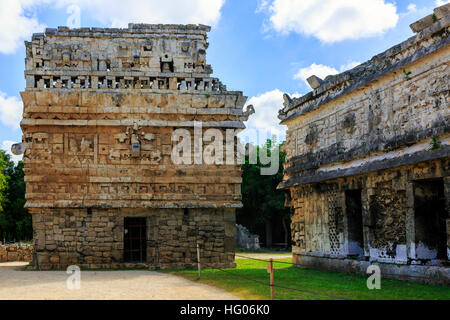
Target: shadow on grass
250,280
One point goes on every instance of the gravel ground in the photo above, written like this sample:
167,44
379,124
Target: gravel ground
16,284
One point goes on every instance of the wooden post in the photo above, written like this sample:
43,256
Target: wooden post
270,270
198,262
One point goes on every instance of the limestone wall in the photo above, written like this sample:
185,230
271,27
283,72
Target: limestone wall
320,224
16,252
388,109
93,167
102,58
93,93
100,110
95,238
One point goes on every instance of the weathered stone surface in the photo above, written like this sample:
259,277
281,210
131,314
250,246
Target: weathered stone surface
245,239
368,159
422,23
100,108
97,239
15,252
442,11
314,82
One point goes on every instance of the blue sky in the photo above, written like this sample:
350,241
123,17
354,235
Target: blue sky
263,48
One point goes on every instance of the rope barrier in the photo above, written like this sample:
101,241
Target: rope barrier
281,287
286,262
254,280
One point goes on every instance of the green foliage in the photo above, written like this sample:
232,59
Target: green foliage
407,74
207,95
3,180
435,143
261,200
15,222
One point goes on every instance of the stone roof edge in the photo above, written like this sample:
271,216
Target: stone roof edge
133,28
334,81
98,204
407,159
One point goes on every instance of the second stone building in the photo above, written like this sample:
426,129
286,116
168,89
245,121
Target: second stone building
368,166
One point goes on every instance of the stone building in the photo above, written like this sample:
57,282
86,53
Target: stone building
368,168
100,108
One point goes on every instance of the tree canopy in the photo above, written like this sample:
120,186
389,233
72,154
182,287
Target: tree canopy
263,209
15,222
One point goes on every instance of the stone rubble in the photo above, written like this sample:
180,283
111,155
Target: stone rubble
15,252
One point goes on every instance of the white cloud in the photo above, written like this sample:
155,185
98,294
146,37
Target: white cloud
18,18
265,120
332,20
6,146
118,13
412,7
319,70
441,2
11,109
322,71
16,24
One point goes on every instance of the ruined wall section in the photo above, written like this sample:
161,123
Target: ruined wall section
318,223
320,226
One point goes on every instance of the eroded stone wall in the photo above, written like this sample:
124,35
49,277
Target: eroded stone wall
95,238
93,167
100,110
383,113
389,220
367,162
16,252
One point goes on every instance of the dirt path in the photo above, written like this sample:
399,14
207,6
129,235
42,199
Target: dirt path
16,284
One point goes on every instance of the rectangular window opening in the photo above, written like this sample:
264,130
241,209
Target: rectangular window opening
430,217
353,202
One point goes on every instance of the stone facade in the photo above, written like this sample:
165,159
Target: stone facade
95,239
100,110
368,168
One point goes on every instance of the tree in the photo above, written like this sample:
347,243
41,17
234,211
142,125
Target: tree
15,222
263,204
3,179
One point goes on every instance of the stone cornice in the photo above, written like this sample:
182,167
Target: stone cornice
368,72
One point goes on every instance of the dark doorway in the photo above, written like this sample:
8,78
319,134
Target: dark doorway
430,219
353,203
135,240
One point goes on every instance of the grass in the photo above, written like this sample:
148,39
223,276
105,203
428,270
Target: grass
236,281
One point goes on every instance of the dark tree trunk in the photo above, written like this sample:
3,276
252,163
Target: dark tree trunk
268,233
286,232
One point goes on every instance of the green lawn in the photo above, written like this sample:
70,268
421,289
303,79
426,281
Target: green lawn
237,281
